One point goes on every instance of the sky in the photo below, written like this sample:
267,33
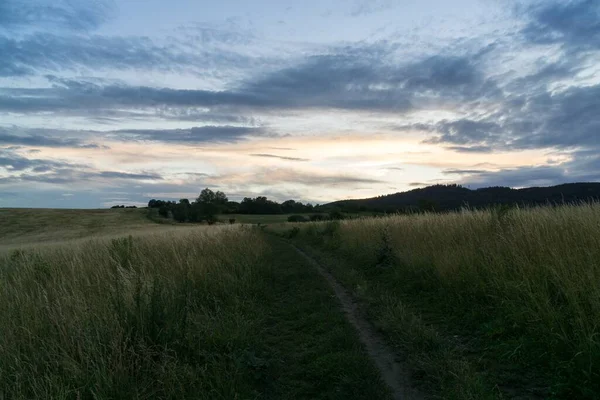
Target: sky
106,102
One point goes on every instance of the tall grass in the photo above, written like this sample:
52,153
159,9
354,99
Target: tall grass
169,315
526,278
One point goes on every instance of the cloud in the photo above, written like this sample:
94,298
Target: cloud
350,78
22,169
562,120
463,171
66,14
11,161
126,175
583,167
366,7
204,134
275,176
44,141
369,78
471,149
467,132
43,52
279,157
573,23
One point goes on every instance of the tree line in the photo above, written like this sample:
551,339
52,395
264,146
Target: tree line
209,204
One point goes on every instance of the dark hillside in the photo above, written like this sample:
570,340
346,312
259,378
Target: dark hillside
452,197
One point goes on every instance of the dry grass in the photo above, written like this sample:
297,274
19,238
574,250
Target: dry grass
525,283
20,226
109,318
170,312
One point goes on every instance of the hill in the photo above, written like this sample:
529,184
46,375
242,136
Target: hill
23,225
453,197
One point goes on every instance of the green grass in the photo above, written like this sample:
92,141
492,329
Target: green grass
487,304
199,313
255,219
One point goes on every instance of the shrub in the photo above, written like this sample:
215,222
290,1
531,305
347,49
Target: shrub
292,233
297,218
163,211
336,215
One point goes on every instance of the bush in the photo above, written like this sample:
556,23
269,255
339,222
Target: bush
318,217
163,211
292,233
180,213
336,215
297,218
232,221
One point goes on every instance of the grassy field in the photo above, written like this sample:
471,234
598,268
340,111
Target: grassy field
498,304
19,226
200,312
486,304
255,219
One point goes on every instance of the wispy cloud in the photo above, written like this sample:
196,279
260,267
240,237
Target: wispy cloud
279,157
44,141
66,14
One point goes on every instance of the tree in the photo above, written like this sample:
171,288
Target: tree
207,196
180,211
163,211
220,198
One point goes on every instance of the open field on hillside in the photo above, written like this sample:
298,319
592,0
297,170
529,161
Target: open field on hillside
487,304
19,226
22,226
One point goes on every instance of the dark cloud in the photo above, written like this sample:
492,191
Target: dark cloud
12,161
125,175
275,176
195,135
279,157
23,169
367,78
68,14
584,167
40,137
563,120
471,149
71,176
467,132
44,141
574,23
463,171
352,78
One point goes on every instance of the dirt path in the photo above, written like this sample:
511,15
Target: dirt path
393,372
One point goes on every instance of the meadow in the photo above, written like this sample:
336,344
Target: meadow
490,304
169,312
503,303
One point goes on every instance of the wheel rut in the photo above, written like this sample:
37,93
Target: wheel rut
393,372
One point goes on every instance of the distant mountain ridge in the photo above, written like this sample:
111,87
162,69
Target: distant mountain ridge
453,197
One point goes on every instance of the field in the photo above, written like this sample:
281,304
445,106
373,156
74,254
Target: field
497,304
486,304
217,312
19,226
